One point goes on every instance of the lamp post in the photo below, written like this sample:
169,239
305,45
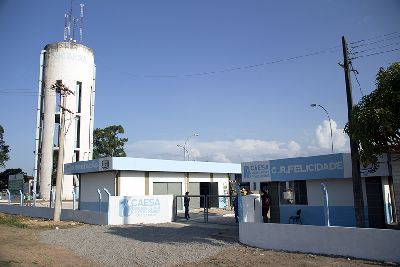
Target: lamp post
329,118
184,145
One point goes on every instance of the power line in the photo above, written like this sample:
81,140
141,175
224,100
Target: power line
323,51
376,42
262,64
377,53
373,48
374,37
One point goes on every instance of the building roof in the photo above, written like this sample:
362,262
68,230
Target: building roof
153,165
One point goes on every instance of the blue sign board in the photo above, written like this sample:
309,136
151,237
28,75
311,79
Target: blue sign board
302,168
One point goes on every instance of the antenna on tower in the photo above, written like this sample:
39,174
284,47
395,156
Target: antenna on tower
65,27
74,29
81,23
71,22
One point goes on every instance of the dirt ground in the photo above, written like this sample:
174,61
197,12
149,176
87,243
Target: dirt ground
22,247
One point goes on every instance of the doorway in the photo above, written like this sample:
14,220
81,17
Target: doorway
376,212
273,188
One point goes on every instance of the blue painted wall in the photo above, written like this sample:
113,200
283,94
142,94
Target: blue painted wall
93,206
314,215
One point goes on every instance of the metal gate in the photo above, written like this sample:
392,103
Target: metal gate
217,209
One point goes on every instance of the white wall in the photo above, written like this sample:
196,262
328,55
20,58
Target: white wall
85,216
131,183
340,192
195,177
90,182
140,209
366,243
252,208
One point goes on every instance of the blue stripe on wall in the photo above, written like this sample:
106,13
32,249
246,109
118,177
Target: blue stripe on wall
93,206
314,215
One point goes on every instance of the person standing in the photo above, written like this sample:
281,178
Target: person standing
235,203
265,202
186,200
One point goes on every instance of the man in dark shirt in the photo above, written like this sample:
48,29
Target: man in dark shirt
265,202
186,201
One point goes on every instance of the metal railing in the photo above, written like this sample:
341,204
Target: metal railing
203,204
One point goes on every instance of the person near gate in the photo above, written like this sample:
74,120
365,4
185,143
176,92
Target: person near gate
265,202
235,203
186,200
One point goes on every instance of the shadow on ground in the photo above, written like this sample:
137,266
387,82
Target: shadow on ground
177,233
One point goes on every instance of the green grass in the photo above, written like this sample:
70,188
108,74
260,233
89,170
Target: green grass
12,221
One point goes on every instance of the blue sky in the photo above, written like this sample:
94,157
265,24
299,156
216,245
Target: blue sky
167,69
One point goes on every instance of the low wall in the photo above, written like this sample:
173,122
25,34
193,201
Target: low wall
140,209
85,216
365,243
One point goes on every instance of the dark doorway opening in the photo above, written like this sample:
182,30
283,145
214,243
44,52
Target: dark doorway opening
376,212
273,188
211,190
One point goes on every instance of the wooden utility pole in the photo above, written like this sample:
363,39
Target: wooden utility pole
355,157
64,92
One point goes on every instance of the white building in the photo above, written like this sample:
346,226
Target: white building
295,184
73,65
141,177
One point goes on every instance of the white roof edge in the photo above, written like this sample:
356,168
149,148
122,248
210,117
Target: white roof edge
154,165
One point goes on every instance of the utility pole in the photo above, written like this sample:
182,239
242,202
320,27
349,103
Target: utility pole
355,157
64,92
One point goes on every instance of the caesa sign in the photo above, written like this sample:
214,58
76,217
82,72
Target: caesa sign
304,168
139,207
258,170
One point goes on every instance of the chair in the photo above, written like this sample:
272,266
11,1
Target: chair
296,218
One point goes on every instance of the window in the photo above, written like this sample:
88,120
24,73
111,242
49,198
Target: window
56,136
77,131
293,192
76,156
78,93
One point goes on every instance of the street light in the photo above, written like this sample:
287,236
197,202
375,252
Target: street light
329,118
184,145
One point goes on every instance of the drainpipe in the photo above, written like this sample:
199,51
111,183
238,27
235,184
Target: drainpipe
38,126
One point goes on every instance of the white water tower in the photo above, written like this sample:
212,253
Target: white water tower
72,64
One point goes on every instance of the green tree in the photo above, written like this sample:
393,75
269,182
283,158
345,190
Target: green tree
375,120
107,143
4,149
4,177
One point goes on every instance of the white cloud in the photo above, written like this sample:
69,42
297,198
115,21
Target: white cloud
322,141
241,150
220,151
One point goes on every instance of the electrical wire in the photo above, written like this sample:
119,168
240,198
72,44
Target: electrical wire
377,53
373,48
376,42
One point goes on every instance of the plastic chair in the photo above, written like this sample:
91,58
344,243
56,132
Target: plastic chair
296,218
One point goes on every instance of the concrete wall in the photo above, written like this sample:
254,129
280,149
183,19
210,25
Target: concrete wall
90,182
340,192
131,183
90,217
140,209
365,243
